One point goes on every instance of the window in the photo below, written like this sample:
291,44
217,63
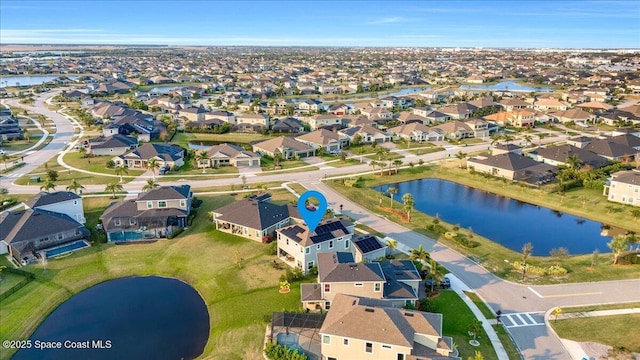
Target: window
346,244
376,287
310,265
327,305
307,250
327,288
257,233
75,202
132,221
318,247
330,244
368,348
326,339
183,203
60,236
345,342
287,240
117,222
400,357
162,204
358,284
386,346
149,204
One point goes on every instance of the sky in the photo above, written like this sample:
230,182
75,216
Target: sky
470,23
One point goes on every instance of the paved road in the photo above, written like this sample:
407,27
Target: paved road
521,305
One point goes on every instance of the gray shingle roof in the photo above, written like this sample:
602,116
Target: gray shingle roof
562,152
166,193
45,198
341,267
254,213
31,224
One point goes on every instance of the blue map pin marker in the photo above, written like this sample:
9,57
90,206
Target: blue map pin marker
312,218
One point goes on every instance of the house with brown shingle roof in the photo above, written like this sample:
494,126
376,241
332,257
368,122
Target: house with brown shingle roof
574,115
417,132
397,281
364,328
287,147
558,155
328,140
455,130
229,155
298,247
254,218
368,134
512,166
624,187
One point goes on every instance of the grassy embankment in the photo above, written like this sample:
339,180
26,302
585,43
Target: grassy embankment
581,202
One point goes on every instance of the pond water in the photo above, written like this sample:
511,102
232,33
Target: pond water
506,86
134,318
7,81
164,89
406,91
508,222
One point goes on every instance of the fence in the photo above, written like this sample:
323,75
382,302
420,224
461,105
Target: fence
28,278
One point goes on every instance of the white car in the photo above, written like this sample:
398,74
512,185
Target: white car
2,151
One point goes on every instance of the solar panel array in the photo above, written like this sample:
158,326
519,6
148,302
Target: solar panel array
368,243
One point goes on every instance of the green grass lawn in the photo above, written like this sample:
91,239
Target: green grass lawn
491,254
488,313
297,188
422,150
268,164
335,161
599,307
189,169
183,139
456,320
239,295
19,145
96,164
614,330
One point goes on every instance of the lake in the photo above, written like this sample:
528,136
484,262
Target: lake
130,318
508,222
506,86
28,80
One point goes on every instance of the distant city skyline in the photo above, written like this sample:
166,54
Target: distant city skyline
521,24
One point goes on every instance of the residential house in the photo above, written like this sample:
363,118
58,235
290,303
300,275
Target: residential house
499,148
417,132
517,118
550,104
229,155
308,106
437,117
167,155
367,133
111,145
193,113
573,115
406,117
252,122
614,116
422,111
397,282
328,140
287,147
364,328
288,125
479,127
624,187
458,111
512,166
298,247
612,149
323,120
26,234
153,214
222,115
339,109
61,202
377,113
255,218
514,104
9,127
558,155
455,130
367,247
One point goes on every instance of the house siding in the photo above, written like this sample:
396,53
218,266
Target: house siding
73,208
356,349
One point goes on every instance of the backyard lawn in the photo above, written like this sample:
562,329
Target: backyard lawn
95,164
234,276
183,139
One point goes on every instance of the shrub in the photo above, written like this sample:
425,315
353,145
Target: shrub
110,164
192,215
555,270
437,228
275,351
272,248
175,233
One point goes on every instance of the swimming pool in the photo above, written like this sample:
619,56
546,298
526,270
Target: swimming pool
64,249
125,236
289,341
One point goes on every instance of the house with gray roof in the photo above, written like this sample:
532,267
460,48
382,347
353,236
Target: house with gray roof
9,126
229,155
328,140
288,147
512,166
396,281
167,155
624,187
364,328
612,149
558,155
367,133
153,214
111,145
298,247
62,202
367,247
255,218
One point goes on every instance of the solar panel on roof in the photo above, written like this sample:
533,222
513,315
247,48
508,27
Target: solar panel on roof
368,244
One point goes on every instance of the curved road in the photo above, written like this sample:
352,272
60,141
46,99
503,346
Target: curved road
522,306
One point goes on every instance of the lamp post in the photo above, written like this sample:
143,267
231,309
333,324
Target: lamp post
341,206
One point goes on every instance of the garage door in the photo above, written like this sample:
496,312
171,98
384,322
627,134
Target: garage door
243,163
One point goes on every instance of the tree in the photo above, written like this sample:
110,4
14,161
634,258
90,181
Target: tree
357,140
113,188
434,273
121,170
618,245
392,245
373,164
150,185
392,191
75,186
419,254
495,138
27,135
527,249
4,158
83,152
528,139
397,163
636,214
476,356
475,327
574,162
461,156
381,152
277,157
153,165
407,204
52,175
201,158
48,186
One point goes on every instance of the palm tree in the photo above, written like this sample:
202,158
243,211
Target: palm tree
48,185
4,158
121,170
526,252
113,188
75,186
407,204
27,135
381,152
574,161
392,245
201,158
392,191
495,138
461,156
618,245
83,152
528,139
419,254
434,273
150,185
373,164
397,163
277,157
507,138
153,165
540,137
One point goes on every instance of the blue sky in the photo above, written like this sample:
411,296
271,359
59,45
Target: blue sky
539,24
